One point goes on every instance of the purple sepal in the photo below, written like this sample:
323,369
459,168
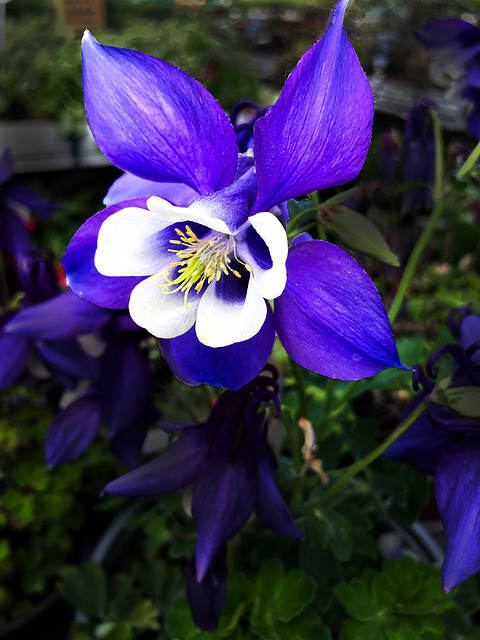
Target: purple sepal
14,235
67,357
458,499
72,430
206,598
25,195
62,317
128,187
269,504
318,133
122,322
155,121
422,445
223,499
127,445
13,357
175,468
37,275
7,165
473,121
441,33
330,318
172,427
82,276
126,383
228,367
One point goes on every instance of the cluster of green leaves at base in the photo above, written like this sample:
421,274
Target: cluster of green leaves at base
273,605
41,511
403,601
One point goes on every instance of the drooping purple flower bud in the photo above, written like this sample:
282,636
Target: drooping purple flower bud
418,155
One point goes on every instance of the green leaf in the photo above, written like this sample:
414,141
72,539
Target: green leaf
356,232
152,578
405,575
114,631
307,625
464,400
85,588
145,616
382,592
371,630
355,597
123,596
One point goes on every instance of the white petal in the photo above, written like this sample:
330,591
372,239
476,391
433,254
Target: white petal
270,282
162,314
196,212
129,245
222,321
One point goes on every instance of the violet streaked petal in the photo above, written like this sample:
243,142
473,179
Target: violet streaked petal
228,367
457,493
223,499
72,430
128,187
206,598
318,133
64,316
269,503
175,468
154,120
125,385
79,262
330,318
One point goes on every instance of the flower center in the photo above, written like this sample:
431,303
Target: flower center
200,261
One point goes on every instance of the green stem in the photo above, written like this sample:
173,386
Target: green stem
355,468
437,134
418,249
300,217
302,398
469,163
413,261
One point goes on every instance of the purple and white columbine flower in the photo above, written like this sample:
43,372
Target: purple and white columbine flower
189,242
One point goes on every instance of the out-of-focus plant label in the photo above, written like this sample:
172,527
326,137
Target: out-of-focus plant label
73,16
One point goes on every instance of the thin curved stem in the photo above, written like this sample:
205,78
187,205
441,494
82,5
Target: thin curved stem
469,163
360,465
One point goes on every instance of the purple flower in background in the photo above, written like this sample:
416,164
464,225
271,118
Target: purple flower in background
232,467
91,352
190,242
418,155
457,61
17,202
445,442
243,117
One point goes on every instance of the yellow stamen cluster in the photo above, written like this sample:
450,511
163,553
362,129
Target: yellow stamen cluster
200,261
